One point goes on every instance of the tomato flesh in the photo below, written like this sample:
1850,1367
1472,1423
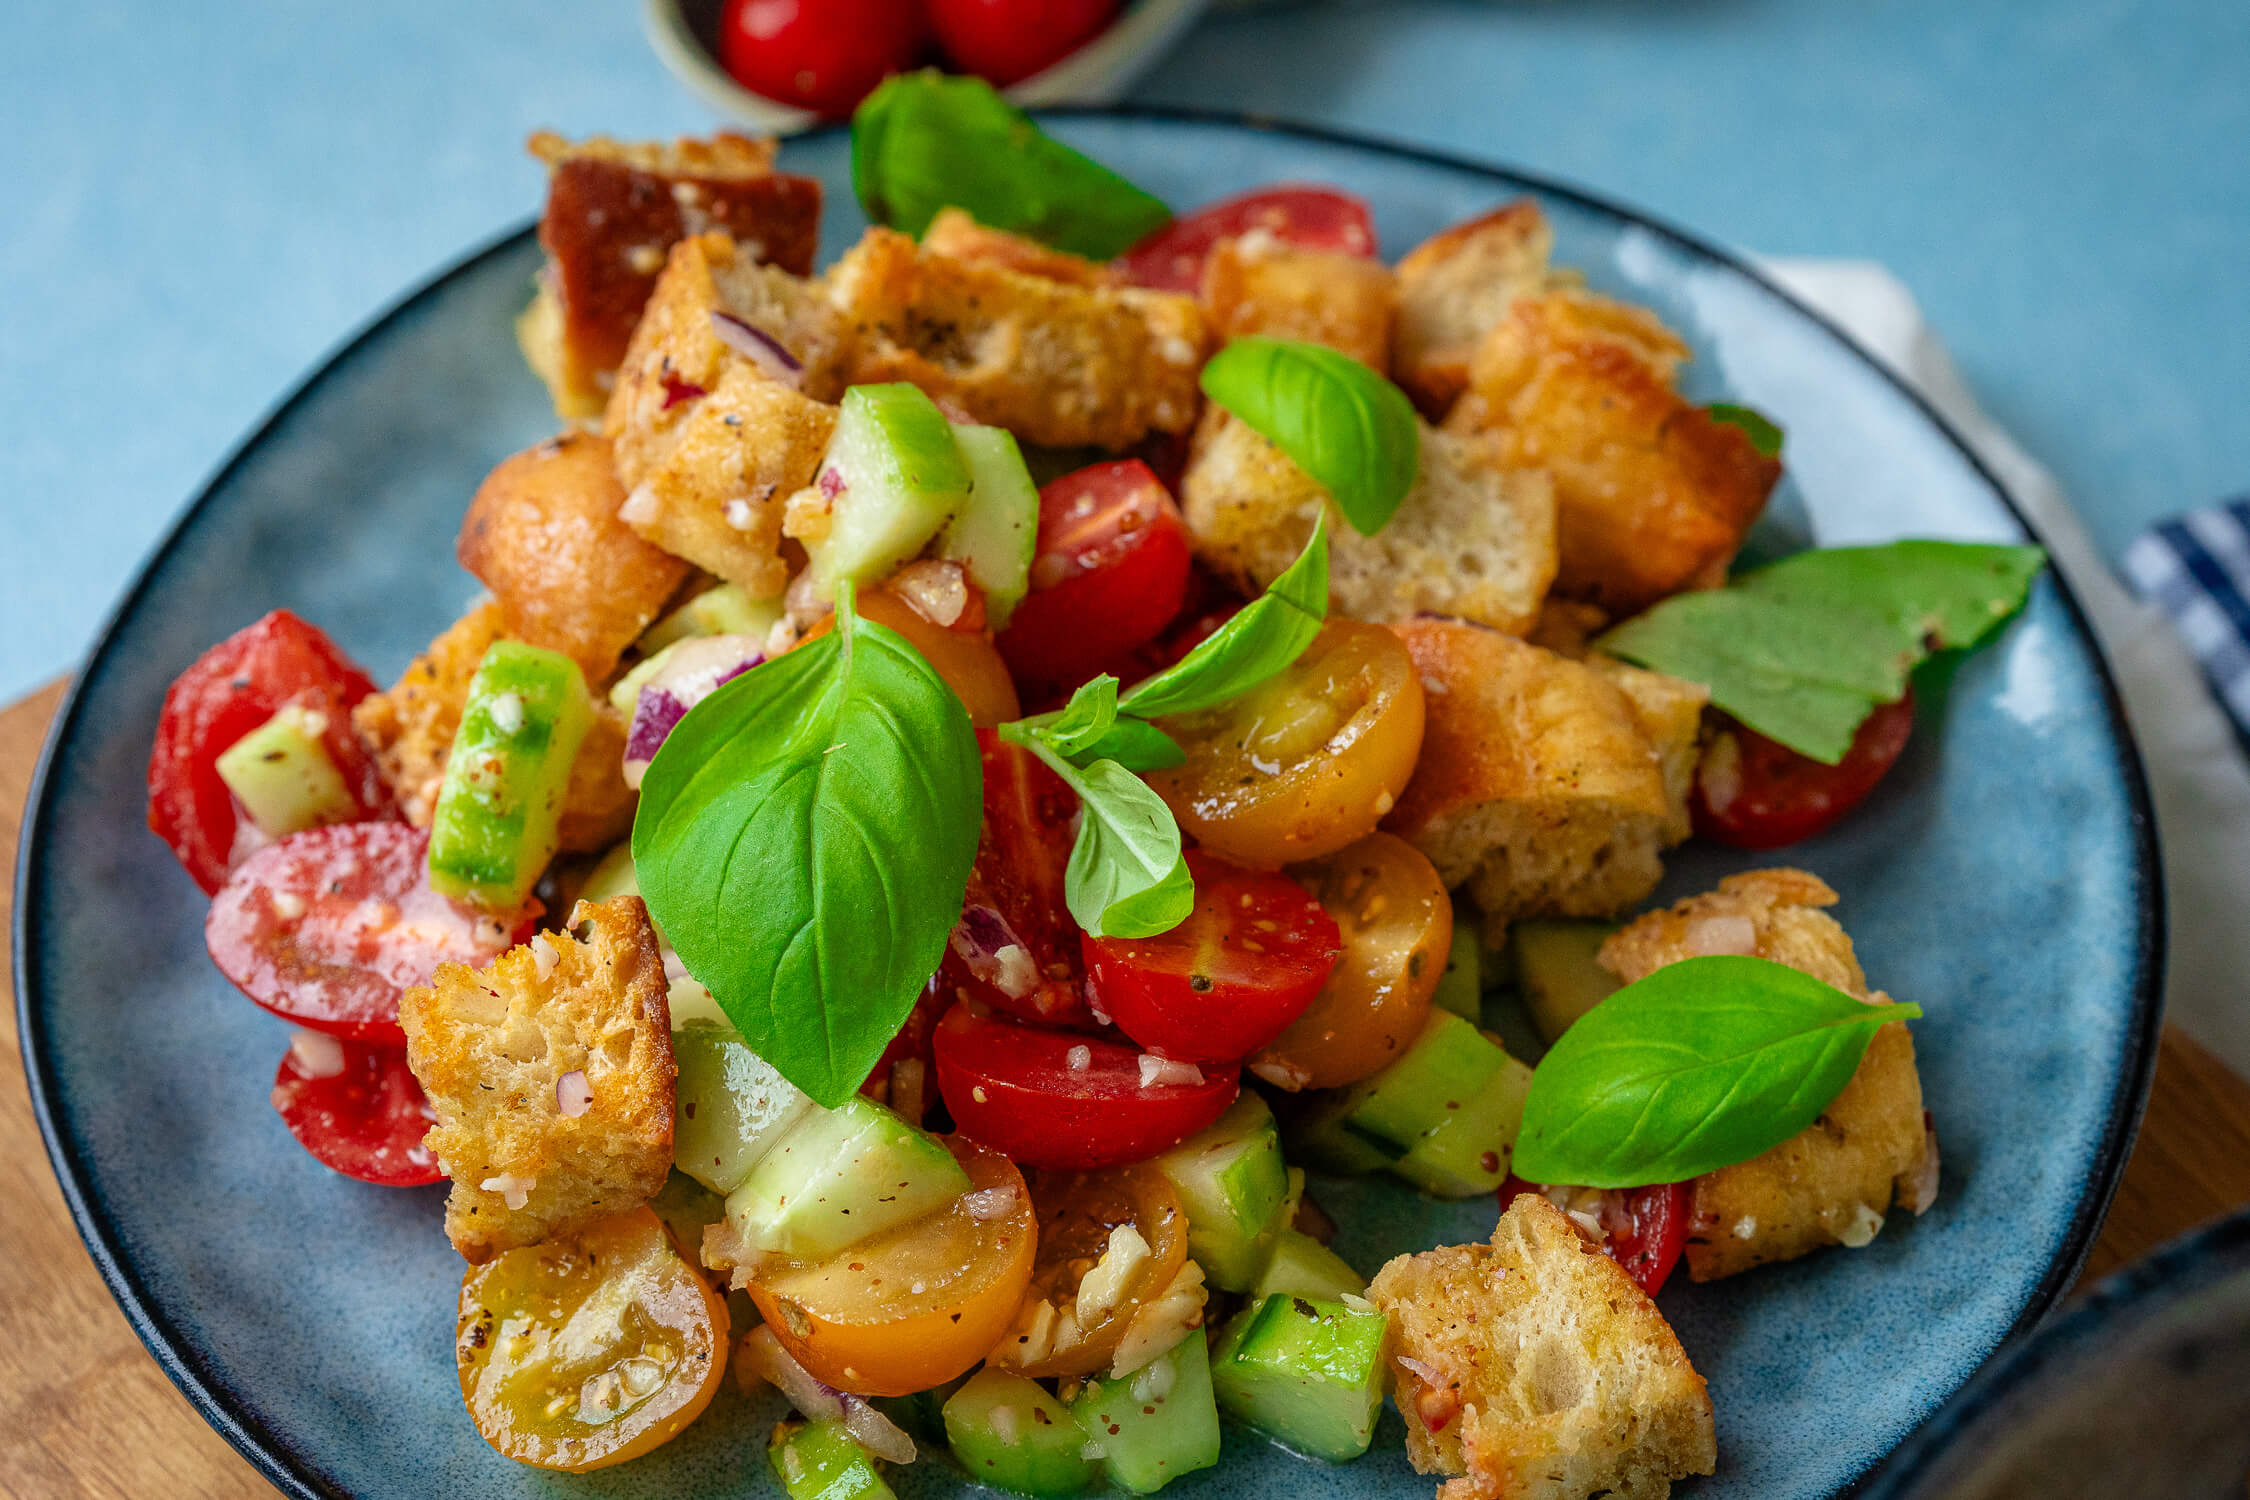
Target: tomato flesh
1014,1088
1756,794
1110,572
1061,1333
1007,40
328,927
1016,947
1229,979
821,55
1645,1229
357,1109
230,690
1311,218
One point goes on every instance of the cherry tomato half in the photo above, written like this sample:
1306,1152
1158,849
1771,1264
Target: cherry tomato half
1128,1223
1006,40
1312,218
1016,1089
1644,1229
1016,947
328,927
1755,794
1110,572
821,55
1222,984
590,1348
357,1109
230,690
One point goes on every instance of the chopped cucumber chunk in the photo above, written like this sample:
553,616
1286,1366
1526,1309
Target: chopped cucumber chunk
1469,1151
1157,1423
730,1106
284,777
1318,1134
1303,1267
996,533
896,477
921,1415
502,796
1461,988
1009,1432
841,1176
1305,1370
822,1461
1231,1180
1556,971
1444,1069
727,609
612,876
687,1208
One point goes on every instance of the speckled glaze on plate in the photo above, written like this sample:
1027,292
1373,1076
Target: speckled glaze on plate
2003,877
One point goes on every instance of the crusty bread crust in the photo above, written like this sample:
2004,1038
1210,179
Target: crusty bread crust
1258,284
1533,1368
1454,287
954,234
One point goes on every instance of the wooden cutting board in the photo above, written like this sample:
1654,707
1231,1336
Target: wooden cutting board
84,1411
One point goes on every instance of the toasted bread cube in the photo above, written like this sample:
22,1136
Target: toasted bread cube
1652,495
956,235
598,806
1258,284
1055,363
1472,538
1533,1368
1833,1182
1539,786
1454,287
506,1053
613,213
1670,712
1567,627
543,535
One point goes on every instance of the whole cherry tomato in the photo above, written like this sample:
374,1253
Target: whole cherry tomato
821,55
1312,218
357,1109
1755,794
1006,40
1016,947
1110,573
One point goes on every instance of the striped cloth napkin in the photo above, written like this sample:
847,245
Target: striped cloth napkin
2196,569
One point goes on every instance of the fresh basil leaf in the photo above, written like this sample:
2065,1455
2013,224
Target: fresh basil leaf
923,142
1349,428
1127,876
1264,637
1703,1064
1137,745
1765,436
1937,595
804,840
1083,721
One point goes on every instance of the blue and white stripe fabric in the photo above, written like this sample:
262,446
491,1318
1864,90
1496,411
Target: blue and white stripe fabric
2196,569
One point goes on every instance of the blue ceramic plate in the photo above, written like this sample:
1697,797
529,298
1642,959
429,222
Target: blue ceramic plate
2003,877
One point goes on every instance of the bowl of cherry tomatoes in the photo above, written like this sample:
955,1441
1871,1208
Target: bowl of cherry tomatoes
787,65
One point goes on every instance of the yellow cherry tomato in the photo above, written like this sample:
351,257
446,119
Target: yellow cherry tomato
1110,1242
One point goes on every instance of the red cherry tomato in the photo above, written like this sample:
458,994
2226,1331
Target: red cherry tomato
1014,1089
357,1109
1110,572
1312,218
328,927
1755,794
1016,947
230,690
1644,1229
1229,979
1006,40
905,1076
821,55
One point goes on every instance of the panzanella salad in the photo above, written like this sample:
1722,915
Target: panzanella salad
984,777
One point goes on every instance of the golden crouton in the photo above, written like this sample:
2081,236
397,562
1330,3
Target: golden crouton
954,234
1833,1182
1456,286
1567,627
1652,495
552,1077
1056,364
597,804
543,535
1533,1368
1258,284
1472,538
613,212
1670,713
1540,784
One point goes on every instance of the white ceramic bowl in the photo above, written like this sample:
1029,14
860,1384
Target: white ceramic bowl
1096,73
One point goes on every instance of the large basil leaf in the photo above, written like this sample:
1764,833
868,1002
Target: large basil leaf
804,840
1345,425
1703,1064
1263,638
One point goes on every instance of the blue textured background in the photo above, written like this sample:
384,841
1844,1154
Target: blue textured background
203,197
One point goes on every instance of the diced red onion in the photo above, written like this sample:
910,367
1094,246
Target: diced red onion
761,348
818,1400
573,1094
831,482
1159,1072
988,1204
1732,935
937,591
692,672
877,1433
1428,1374
995,953
318,1054
1919,1188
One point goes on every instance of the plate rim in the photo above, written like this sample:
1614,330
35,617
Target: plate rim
217,1404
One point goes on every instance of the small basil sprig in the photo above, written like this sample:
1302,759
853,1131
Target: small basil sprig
923,142
1349,428
1765,435
1703,1064
804,838
1264,636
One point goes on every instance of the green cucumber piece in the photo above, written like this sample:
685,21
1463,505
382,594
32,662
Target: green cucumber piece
1447,1066
501,800
1303,1267
1231,1180
1461,988
922,1415
1469,1151
1008,1431
284,777
693,1005
726,609
1556,971
1157,1423
687,1208
822,1461
612,876
902,478
1306,1370
1317,1134
730,1106
841,1176
996,533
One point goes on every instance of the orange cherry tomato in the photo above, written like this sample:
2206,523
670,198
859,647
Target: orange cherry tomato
1306,762
589,1349
1397,927
1110,1242
967,660
919,1304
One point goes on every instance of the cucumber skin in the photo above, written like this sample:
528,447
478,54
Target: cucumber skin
996,534
1233,1200
1469,1152
284,777
1461,988
1448,1064
741,1106
1143,1450
1303,1267
904,479
860,1134
500,803
831,1465
1556,972
1044,1458
1305,1371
